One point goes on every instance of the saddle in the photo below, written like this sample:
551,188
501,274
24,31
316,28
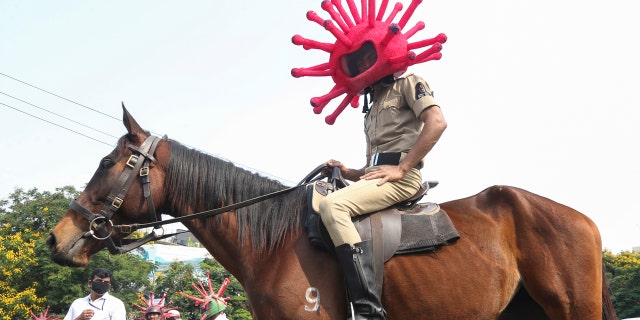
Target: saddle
406,227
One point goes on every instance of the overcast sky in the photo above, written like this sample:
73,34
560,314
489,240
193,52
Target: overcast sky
538,94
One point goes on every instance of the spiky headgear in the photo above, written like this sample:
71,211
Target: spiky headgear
43,316
211,304
149,305
364,32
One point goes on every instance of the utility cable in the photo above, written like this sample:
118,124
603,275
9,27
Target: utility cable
55,124
61,97
61,116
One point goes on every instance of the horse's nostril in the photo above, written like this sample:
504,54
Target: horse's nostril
51,241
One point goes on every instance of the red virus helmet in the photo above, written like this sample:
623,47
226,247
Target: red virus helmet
151,307
211,304
368,48
43,316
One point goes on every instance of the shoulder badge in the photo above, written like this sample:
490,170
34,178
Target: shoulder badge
421,91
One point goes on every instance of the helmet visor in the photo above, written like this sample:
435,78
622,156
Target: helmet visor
359,61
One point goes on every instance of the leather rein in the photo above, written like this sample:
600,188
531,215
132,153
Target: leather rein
101,227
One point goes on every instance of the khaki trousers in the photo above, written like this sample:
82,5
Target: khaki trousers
361,197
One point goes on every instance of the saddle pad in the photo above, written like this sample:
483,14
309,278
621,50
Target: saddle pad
422,232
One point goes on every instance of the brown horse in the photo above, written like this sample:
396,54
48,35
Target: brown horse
520,255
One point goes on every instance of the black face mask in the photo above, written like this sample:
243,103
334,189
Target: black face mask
99,287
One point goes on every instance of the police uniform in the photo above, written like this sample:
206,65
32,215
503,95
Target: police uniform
392,127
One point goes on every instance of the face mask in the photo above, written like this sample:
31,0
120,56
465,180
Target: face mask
99,287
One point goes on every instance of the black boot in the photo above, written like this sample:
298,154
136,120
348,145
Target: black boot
357,265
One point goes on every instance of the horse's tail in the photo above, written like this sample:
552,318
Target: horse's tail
608,313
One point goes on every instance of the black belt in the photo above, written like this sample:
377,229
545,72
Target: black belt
389,158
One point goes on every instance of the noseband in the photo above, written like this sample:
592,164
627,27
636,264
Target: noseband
100,225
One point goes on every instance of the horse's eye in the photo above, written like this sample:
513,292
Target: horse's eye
106,163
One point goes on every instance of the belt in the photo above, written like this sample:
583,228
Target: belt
389,158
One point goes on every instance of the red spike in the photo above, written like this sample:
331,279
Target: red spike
345,16
424,56
393,31
328,7
407,14
209,281
223,287
434,56
310,72
383,8
355,102
319,103
441,38
312,44
331,119
372,13
328,25
396,8
419,26
354,11
364,16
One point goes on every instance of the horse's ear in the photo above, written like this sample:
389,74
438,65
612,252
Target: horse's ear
130,123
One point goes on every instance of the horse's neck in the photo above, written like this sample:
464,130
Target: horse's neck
220,239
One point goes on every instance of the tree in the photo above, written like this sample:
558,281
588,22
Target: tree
36,210
623,270
57,286
17,288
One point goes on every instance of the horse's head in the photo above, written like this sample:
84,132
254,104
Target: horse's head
126,188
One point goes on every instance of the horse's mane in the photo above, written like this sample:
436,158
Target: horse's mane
203,182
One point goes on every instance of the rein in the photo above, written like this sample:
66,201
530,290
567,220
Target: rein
101,227
213,212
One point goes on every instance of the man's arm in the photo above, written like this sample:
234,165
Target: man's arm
348,173
120,312
434,126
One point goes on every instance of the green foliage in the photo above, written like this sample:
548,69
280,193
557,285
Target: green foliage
31,281
176,278
35,210
623,272
32,214
17,288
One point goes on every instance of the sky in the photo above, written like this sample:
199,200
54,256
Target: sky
537,94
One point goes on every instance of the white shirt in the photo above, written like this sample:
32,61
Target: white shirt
106,307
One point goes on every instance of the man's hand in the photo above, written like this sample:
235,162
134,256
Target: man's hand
385,174
86,314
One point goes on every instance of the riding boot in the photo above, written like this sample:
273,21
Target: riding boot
357,265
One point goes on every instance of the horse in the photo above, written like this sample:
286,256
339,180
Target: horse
520,255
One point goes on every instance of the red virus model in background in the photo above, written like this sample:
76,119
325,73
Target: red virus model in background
211,304
149,303
43,316
367,49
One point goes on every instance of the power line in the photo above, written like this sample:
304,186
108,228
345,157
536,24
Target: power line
61,116
55,124
61,97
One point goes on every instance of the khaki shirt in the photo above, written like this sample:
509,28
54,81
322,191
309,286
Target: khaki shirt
393,123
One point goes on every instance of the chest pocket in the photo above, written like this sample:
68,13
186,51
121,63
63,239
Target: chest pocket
389,110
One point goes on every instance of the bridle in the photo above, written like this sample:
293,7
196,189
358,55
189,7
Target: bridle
101,227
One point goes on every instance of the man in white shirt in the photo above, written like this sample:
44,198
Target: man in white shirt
99,304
